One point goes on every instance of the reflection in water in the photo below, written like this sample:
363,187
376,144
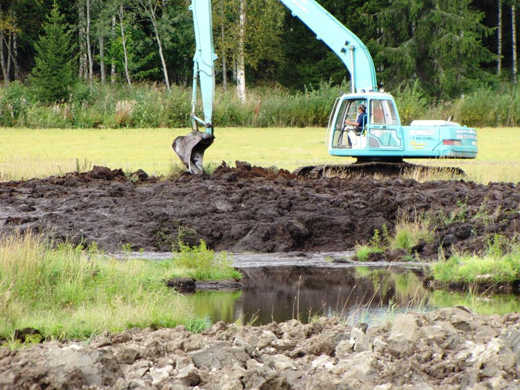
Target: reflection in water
359,294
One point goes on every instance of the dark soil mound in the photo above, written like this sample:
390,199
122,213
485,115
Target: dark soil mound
252,208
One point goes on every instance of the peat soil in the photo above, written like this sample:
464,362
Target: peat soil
255,209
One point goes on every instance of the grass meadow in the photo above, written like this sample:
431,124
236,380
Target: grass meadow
29,153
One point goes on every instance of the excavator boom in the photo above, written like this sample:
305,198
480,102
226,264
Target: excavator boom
347,46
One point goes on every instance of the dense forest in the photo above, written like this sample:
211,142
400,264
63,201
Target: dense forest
439,49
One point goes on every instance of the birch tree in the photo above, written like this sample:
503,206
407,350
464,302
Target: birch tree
151,8
123,41
89,46
241,64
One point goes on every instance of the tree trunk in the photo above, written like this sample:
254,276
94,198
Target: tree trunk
9,54
2,58
89,46
15,57
224,62
513,31
241,71
102,58
158,40
123,38
83,60
112,61
499,38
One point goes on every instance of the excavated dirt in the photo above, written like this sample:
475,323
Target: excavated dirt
449,349
254,209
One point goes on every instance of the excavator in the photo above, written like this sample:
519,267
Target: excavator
379,143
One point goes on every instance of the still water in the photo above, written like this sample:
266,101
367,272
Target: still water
284,286
358,294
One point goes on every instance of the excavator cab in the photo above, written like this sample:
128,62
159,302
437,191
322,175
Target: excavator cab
383,138
379,131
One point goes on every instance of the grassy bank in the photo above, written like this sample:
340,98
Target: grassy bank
494,267
38,153
67,293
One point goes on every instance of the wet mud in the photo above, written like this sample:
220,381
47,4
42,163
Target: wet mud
254,209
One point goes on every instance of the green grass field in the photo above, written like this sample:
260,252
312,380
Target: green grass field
28,153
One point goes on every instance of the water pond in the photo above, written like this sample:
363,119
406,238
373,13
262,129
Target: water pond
284,286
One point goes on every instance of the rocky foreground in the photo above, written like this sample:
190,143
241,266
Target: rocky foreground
445,349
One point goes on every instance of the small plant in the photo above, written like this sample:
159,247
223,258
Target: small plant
377,245
126,247
202,263
198,325
410,233
364,252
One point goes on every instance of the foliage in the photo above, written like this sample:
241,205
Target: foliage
66,293
473,269
407,234
146,105
437,42
53,73
202,263
364,252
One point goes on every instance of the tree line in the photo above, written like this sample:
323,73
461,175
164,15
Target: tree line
443,47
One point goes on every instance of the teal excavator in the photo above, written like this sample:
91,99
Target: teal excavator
379,141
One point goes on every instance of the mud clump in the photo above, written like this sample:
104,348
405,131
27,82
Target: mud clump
445,349
251,208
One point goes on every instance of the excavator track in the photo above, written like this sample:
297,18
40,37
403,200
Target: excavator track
383,168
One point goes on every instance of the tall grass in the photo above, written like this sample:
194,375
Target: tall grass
147,105
64,293
495,266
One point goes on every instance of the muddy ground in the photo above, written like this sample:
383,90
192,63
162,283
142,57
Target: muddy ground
254,209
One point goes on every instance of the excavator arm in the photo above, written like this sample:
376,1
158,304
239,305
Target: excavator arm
190,148
343,42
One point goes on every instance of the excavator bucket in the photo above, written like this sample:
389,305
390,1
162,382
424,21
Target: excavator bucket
190,149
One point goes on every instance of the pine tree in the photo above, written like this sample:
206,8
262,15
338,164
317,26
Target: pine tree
53,74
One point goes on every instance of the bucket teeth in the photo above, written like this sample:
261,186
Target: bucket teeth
190,148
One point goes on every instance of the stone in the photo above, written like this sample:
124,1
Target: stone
218,356
359,340
159,374
403,334
358,366
182,285
189,375
344,348
266,339
281,362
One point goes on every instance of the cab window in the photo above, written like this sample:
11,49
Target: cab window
382,112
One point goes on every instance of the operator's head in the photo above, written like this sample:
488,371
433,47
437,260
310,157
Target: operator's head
362,107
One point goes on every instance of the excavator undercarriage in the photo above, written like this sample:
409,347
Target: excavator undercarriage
373,167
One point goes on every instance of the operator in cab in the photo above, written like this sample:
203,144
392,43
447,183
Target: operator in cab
355,136
360,121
